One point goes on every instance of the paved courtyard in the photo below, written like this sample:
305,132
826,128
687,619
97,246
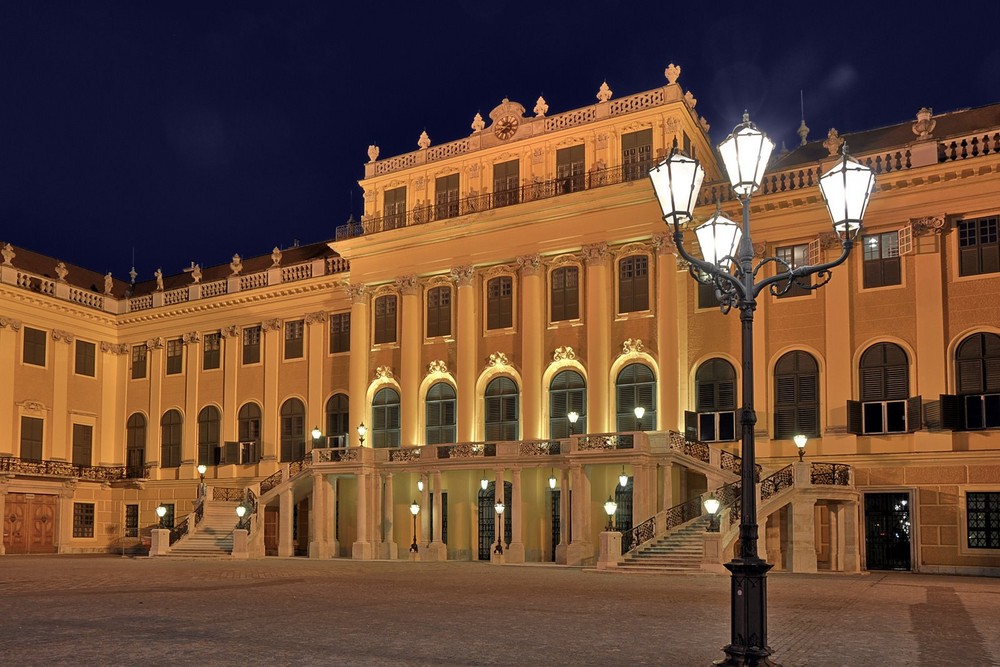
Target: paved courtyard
116,611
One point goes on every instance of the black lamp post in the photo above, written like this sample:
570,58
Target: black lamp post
414,510
499,507
728,264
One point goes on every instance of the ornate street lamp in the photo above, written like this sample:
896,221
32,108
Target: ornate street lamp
202,469
362,430
414,510
712,507
800,443
623,478
639,412
316,434
420,485
610,507
552,479
499,508
728,265
241,512
484,483
572,417
161,512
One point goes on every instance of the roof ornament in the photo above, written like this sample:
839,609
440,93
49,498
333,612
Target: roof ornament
424,141
236,265
833,141
372,153
8,254
924,127
803,131
604,93
158,274
108,282
478,123
62,271
541,108
672,72
275,257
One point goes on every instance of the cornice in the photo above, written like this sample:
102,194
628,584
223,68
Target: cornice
67,308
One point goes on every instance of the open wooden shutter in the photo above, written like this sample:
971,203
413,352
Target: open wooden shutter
230,453
855,423
905,235
951,412
914,414
258,450
815,252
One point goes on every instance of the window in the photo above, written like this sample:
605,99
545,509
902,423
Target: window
565,294
885,390
633,284
31,438
175,356
131,520
340,332
796,396
794,256
135,445
251,345
248,432
139,361
83,519
983,519
501,409
569,169
500,303
293,430
977,364
293,339
208,435
385,418
395,207
567,393
714,418
34,347
438,312
440,406
86,358
170,439
211,351
881,262
338,424
83,445
978,246
168,518
637,154
506,179
446,196
635,386
385,319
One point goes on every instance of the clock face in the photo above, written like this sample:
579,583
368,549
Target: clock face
505,127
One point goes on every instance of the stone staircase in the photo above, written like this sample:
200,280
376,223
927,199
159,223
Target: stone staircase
680,551
213,538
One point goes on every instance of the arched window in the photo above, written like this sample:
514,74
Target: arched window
567,393
796,396
565,294
884,389
385,418
209,420
248,430
977,369
714,418
501,410
293,430
338,420
135,445
440,406
635,387
170,439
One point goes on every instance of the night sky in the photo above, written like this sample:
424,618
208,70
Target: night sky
190,131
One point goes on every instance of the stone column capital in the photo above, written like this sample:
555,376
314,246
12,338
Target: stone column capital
463,275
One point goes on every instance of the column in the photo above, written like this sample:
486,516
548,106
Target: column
315,356
515,551
61,447
270,424
468,344
65,524
564,516
286,515
189,443
230,366
848,523
4,480
580,551
667,474
412,336
362,548
438,549
802,536
839,332
836,538
600,303
111,424
358,372
762,532
671,319
639,494
388,549
318,518
532,339
8,356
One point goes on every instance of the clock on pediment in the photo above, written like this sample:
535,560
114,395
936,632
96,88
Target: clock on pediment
506,119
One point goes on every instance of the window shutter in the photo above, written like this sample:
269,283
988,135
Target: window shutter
872,384
896,383
914,414
815,252
258,450
992,376
905,235
727,395
690,425
784,423
951,412
854,419
230,453
808,422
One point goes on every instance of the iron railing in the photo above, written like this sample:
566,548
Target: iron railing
337,455
180,530
834,474
199,512
14,464
227,494
270,482
597,441
774,483
539,448
466,450
296,467
640,534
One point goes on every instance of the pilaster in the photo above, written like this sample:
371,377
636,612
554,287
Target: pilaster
802,535
358,369
932,347
468,343
599,307
362,548
564,516
8,351
154,368
286,515
409,376
515,551
230,367
438,550
315,356
839,330
671,320
192,356
532,340
388,550
580,550
61,447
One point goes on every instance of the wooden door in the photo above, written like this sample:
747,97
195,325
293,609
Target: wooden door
29,524
271,531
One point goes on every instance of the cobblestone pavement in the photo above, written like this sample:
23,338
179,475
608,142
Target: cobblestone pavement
115,611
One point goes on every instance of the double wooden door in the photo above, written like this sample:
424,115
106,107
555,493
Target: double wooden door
29,523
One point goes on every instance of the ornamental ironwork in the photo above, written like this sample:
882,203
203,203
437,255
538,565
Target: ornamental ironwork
638,535
338,455
776,482
21,466
599,441
227,494
467,450
403,455
539,448
833,474
270,482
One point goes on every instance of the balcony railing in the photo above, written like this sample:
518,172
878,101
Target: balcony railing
21,466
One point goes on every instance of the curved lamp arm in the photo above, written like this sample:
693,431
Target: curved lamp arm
803,271
710,269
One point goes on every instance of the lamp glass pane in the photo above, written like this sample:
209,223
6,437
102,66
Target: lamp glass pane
745,154
712,505
677,181
847,188
718,237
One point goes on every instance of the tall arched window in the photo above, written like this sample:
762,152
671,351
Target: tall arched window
338,420
635,387
501,410
884,389
209,421
135,445
293,430
385,418
977,369
170,439
567,393
796,396
440,406
248,430
714,418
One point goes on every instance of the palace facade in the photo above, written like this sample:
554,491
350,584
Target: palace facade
494,285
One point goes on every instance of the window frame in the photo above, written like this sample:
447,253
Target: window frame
139,353
799,405
885,259
510,192
211,352
571,169
571,313
979,246
625,420
34,348
208,448
84,520
512,298
253,348
292,431
394,207
169,449
620,291
506,403
715,415
797,255
566,395
380,321
39,443
294,340
443,329
174,355
966,524
88,358
635,167
338,338
439,404
82,450
446,197
386,418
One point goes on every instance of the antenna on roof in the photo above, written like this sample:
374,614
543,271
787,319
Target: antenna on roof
803,131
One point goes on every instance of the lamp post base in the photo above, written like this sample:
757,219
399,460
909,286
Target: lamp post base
748,642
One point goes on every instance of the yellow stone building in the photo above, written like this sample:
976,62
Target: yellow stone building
495,284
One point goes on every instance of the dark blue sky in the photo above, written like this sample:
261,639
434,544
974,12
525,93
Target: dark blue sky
190,131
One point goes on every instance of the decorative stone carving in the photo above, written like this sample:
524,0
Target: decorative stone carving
498,360
478,123
932,224
109,282
474,170
601,141
463,275
191,337
530,265
594,253
406,284
563,353
803,132
372,153
833,141
133,274
662,244
604,93
541,108
61,271
15,325
704,123
419,184
231,331
759,249
438,367
273,324
155,343
356,292
68,488
672,72
507,108
275,257
196,274
235,266
33,406
924,127
827,240
538,157
114,348
8,254
424,141
690,99
316,318
59,335
383,373
672,125
158,274
632,346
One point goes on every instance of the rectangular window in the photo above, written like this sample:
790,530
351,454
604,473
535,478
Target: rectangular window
446,196
395,208
83,445
716,426
251,345
385,319
633,284
86,358
794,256
569,169
637,154
175,356
34,347
881,261
983,518
294,332
139,361
211,351
131,520
31,438
83,519
439,312
565,294
340,332
506,183
500,303
978,246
